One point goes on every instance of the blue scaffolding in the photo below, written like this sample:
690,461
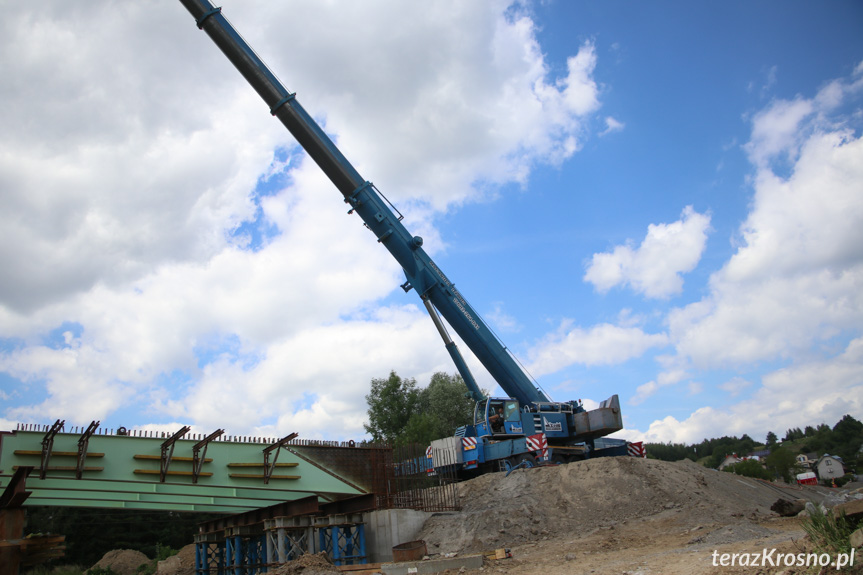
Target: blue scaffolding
252,550
343,538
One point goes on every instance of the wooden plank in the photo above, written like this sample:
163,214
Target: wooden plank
261,476
170,472
159,458
362,569
67,468
261,464
56,453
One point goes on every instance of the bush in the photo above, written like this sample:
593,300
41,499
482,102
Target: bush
749,468
848,477
829,534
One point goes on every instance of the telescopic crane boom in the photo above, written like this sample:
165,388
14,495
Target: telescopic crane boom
421,272
437,292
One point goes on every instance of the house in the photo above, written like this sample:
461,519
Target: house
807,460
829,467
759,455
729,460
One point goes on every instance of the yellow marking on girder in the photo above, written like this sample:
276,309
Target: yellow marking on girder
157,472
66,468
261,476
58,453
261,464
159,457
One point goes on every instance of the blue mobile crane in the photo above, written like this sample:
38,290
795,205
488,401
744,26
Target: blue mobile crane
502,428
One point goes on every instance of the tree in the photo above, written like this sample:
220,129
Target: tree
771,440
401,413
670,451
847,437
421,428
446,399
391,402
781,462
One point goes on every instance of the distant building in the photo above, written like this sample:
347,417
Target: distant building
829,467
729,460
807,460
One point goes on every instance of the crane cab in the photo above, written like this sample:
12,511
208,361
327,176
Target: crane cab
498,417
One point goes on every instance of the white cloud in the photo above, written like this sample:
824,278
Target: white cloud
775,131
671,374
603,344
501,320
654,268
798,276
820,391
581,92
735,386
791,293
612,125
129,156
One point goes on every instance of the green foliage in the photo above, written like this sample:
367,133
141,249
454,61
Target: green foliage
90,533
670,451
446,399
719,449
794,434
829,534
844,439
847,478
421,428
749,468
400,413
391,402
782,463
847,437
165,551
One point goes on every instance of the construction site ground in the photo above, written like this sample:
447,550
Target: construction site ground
624,515
617,515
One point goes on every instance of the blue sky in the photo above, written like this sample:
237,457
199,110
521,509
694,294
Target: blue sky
662,201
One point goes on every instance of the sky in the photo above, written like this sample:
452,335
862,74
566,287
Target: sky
662,201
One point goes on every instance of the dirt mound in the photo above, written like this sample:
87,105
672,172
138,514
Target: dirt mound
183,563
317,564
122,561
579,498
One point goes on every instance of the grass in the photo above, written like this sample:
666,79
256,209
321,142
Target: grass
829,534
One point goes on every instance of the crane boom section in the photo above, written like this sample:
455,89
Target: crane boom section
421,272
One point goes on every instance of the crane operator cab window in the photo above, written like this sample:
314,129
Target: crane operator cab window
502,414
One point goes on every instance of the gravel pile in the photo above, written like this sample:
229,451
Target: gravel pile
581,497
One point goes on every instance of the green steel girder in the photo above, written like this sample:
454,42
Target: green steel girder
122,471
